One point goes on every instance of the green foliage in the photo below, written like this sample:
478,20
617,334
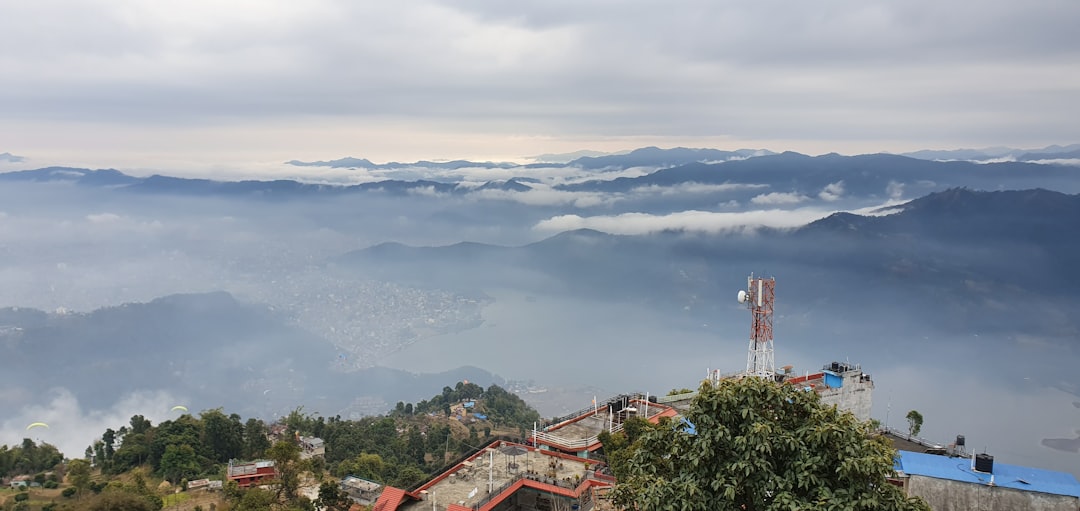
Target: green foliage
78,473
69,492
22,497
332,497
286,456
759,446
179,462
255,441
507,409
121,500
914,419
676,392
28,458
223,435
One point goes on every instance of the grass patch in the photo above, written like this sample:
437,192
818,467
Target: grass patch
175,499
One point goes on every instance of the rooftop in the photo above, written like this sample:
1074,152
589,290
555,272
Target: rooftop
1005,475
506,464
579,433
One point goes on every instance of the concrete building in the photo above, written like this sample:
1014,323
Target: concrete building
360,490
578,433
960,484
506,476
311,447
251,474
841,384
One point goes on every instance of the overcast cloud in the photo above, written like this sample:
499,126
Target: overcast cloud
132,83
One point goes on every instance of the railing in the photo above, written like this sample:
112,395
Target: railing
546,480
584,411
573,444
919,440
677,397
494,493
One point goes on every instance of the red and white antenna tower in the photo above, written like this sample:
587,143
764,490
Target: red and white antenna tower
758,297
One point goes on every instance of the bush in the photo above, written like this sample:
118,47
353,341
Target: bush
49,507
19,497
50,485
68,492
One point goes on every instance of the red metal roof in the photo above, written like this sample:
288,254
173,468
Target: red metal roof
390,499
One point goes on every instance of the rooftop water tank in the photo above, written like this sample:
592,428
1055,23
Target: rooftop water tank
984,463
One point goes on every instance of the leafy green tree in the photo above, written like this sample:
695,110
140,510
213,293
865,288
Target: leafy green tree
332,497
179,462
139,424
760,445
78,473
255,441
223,435
255,499
286,456
914,420
367,465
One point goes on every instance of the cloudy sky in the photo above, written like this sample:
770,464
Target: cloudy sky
134,83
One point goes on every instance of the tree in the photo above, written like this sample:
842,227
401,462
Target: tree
78,473
255,441
758,445
914,421
179,462
332,497
223,435
286,456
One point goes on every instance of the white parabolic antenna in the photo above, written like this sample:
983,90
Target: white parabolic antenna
742,296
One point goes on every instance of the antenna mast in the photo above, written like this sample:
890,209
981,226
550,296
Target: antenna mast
758,297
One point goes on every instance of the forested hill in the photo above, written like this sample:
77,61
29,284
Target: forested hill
401,448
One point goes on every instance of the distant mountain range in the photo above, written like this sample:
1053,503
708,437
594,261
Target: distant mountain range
646,156
965,248
875,175
1052,152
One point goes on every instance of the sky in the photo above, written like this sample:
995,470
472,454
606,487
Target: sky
214,86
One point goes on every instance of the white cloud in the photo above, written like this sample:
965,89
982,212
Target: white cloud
704,221
100,218
894,190
546,196
694,188
425,191
832,192
1059,161
100,78
778,198
72,429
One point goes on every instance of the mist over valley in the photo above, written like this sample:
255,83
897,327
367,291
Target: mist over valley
951,282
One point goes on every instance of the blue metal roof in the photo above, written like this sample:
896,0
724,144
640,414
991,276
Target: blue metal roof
1005,475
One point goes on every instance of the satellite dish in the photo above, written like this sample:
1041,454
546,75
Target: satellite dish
742,296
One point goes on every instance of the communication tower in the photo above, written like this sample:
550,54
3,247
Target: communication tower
758,297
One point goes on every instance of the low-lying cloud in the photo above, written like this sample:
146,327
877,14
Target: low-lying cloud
72,429
703,221
778,198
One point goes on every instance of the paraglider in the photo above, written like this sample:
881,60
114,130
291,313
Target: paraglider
37,425
179,407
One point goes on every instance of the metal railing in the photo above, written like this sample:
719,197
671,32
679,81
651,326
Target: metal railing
600,404
572,444
677,397
534,477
